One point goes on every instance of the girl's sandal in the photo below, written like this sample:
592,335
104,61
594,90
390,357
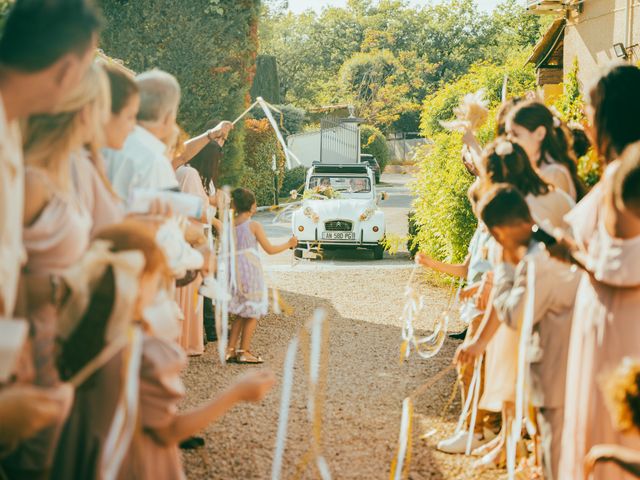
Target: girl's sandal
231,355
248,358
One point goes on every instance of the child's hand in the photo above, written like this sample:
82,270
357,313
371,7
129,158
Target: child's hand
470,291
254,386
293,242
423,259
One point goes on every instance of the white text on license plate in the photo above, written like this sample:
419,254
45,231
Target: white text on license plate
338,235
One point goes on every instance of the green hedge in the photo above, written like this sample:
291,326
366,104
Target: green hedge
442,212
293,180
260,145
209,45
373,142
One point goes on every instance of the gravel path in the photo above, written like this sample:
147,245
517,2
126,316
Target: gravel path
364,394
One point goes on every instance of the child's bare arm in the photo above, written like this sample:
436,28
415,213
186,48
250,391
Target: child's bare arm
251,387
457,270
264,242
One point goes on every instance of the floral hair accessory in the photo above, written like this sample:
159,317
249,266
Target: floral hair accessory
557,123
504,147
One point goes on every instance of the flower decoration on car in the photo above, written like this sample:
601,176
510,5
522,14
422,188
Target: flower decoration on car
308,212
366,215
322,191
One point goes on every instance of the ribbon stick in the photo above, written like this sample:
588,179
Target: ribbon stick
125,418
226,280
523,368
476,397
267,111
505,82
400,466
285,402
245,112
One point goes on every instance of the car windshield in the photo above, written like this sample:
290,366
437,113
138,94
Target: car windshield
341,184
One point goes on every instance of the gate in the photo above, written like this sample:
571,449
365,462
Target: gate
339,140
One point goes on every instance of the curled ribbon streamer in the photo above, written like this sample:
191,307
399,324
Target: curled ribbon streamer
313,343
526,326
429,346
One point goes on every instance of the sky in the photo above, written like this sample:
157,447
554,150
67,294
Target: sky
298,6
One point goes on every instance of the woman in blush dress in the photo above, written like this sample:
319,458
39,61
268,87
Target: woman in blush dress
542,135
57,227
605,326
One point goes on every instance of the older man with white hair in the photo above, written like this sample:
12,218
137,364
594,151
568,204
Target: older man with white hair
143,162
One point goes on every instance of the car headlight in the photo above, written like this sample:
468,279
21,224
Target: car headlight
308,212
366,215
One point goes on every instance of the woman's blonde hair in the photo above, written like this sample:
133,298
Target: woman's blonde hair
50,139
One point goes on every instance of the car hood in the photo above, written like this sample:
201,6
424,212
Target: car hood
344,209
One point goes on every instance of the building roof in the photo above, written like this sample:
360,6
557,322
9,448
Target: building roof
550,40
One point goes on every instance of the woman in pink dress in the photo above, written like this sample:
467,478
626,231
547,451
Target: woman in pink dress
57,226
605,327
192,336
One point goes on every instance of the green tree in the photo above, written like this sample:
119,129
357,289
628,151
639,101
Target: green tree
266,83
209,45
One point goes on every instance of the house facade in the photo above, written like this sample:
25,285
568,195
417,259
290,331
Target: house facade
593,32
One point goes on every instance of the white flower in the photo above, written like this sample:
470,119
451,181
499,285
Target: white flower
504,148
556,122
294,194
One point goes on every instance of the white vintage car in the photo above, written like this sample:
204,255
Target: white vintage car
340,209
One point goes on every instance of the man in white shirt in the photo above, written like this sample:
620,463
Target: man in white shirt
143,162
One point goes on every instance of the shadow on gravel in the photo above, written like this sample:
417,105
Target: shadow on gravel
365,388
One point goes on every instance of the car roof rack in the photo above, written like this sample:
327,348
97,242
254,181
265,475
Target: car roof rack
340,168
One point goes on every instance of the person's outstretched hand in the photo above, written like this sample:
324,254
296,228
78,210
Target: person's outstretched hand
424,259
254,386
467,353
293,242
27,409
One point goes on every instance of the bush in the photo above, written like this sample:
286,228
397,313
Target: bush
372,141
209,45
292,118
260,145
442,212
293,180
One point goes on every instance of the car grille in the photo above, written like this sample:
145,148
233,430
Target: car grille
338,226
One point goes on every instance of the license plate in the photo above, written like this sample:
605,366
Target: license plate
338,235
